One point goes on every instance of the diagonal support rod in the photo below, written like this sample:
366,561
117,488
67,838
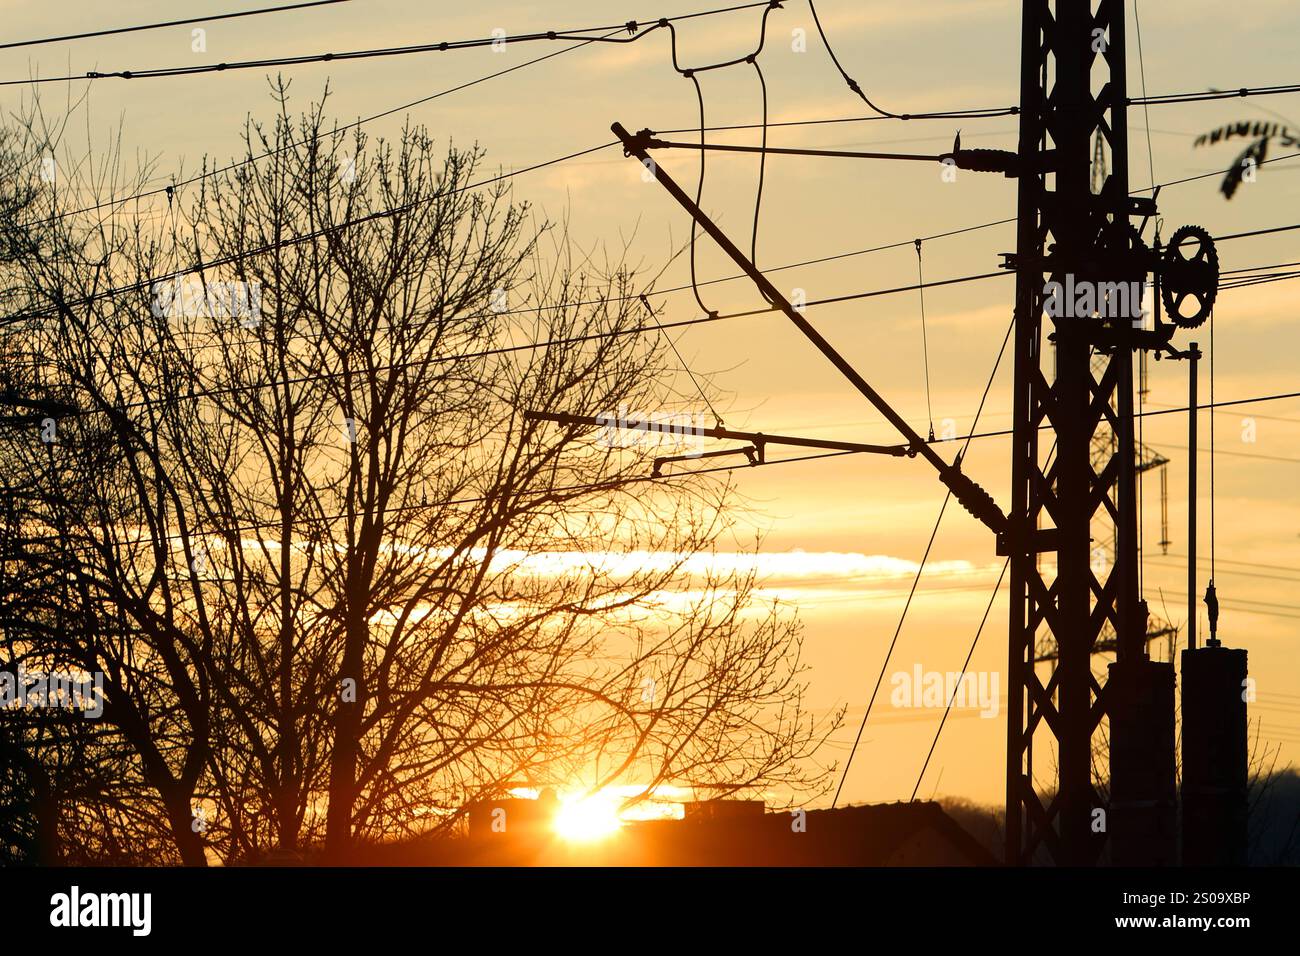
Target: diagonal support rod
972,497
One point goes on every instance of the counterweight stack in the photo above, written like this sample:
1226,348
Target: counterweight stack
1214,756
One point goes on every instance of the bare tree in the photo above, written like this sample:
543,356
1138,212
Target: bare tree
103,504
340,584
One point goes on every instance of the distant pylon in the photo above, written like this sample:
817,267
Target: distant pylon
1098,164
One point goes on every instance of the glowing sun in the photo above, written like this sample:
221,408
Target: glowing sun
583,819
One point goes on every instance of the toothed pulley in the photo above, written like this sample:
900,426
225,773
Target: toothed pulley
1190,270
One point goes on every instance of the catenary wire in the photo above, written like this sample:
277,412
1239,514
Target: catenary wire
635,29
211,18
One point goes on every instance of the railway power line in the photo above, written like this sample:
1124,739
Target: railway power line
1066,232
1070,235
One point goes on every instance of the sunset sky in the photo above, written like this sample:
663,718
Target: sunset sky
840,536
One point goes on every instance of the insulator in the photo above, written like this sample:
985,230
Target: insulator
986,160
974,498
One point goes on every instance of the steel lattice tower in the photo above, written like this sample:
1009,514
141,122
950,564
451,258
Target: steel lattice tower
1073,88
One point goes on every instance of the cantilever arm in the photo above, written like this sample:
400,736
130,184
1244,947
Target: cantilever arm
977,160
783,151
972,497
756,438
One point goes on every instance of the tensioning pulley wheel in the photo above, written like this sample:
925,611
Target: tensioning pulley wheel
1190,270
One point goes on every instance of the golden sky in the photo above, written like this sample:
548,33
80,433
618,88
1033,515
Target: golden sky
842,536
